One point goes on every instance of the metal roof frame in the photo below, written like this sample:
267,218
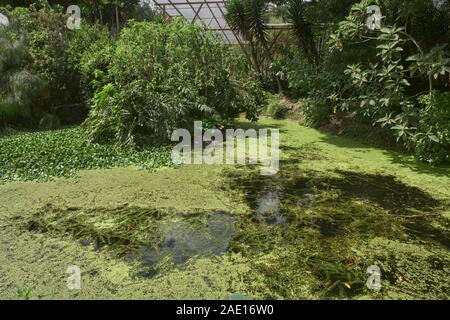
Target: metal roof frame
209,12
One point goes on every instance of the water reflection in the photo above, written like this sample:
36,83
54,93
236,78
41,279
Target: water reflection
183,239
326,227
268,207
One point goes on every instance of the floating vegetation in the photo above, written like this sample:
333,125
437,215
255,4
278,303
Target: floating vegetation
118,228
151,236
181,240
267,208
326,227
331,219
305,226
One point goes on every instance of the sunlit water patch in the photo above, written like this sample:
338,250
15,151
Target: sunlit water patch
181,239
267,207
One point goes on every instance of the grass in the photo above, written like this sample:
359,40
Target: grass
63,153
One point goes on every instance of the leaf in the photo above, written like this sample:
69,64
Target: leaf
434,138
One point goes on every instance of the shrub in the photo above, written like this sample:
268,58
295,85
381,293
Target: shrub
432,143
42,35
382,92
275,108
315,111
89,50
163,76
136,109
45,29
18,86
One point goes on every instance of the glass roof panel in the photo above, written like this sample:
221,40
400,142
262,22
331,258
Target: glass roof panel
209,12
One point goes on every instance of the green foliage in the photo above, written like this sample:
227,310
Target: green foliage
407,269
299,74
27,294
46,78
62,153
47,34
425,20
18,86
314,111
275,108
164,76
338,279
303,31
249,19
432,64
381,91
89,52
432,143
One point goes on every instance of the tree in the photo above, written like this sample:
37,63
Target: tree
296,10
248,18
18,86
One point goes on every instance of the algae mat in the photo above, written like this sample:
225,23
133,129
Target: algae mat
335,208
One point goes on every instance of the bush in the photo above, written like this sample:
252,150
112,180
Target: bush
89,50
275,108
46,32
299,74
314,111
432,143
164,76
18,86
40,33
386,92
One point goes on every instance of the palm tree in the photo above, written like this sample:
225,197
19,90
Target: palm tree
248,18
303,30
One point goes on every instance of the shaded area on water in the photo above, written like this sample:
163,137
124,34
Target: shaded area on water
328,222
279,199
180,240
140,233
